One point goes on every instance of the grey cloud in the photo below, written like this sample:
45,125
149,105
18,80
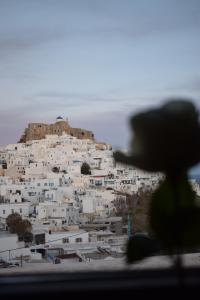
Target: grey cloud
111,126
73,98
12,124
12,45
115,95
14,121
138,19
48,101
189,88
192,85
109,21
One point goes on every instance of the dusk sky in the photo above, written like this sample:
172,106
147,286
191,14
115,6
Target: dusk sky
94,62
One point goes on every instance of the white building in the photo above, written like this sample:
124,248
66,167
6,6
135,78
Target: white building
73,237
43,179
59,213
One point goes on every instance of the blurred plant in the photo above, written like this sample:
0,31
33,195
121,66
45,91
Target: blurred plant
167,139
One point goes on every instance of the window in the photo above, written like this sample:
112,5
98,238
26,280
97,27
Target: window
4,211
65,240
78,240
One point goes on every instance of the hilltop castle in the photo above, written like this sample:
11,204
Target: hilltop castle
38,131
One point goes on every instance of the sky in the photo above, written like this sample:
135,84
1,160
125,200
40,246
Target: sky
94,62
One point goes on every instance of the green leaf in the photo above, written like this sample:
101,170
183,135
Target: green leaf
174,216
139,247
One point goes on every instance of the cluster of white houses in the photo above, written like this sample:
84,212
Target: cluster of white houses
42,181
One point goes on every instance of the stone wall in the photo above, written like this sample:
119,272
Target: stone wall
38,131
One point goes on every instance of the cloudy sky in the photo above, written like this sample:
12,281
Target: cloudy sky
95,62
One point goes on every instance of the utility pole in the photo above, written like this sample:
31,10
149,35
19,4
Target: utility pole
21,261
130,226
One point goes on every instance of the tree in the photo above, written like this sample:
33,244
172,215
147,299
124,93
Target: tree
85,169
19,226
28,237
140,213
12,220
135,206
23,227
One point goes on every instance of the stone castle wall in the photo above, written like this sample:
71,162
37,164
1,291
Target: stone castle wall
38,131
